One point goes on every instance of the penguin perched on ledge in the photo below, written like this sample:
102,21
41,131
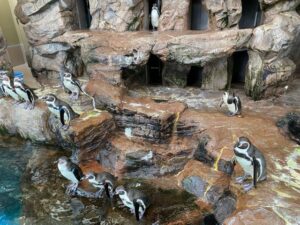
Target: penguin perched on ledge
25,93
71,171
251,160
233,104
103,181
60,109
154,16
7,87
72,85
135,200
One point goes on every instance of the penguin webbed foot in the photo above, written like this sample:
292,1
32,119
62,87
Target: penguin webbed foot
230,114
248,187
240,180
71,189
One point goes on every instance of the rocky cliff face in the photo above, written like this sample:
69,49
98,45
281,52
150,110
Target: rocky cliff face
269,46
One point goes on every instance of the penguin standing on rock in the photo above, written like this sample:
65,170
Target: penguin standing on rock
251,160
154,16
60,109
135,200
233,104
71,171
25,93
103,181
7,87
72,85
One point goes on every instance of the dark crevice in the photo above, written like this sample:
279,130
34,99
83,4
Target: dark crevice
198,15
83,14
239,61
194,78
251,14
154,70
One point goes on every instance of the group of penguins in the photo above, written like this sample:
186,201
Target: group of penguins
246,154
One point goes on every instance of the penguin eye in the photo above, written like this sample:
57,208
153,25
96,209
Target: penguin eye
121,192
243,146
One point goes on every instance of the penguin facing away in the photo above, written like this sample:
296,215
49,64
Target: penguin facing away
70,171
103,181
233,103
135,200
60,109
251,160
25,93
72,85
154,16
8,88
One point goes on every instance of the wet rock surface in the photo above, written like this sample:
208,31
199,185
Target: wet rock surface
290,124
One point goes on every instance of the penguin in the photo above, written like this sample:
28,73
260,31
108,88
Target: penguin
251,160
25,93
233,104
104,181
135,200
71,171
72,85
60,109
7,87
154,16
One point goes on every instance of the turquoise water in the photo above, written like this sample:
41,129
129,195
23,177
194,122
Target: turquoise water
13,159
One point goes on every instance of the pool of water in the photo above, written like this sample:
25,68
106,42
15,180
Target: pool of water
13,160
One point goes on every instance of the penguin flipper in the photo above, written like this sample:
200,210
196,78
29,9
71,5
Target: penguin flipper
136,210
230,100
30,96
77,172
254,162
62,116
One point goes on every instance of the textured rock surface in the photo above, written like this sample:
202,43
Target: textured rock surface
4,61
117,15
175,15
290,125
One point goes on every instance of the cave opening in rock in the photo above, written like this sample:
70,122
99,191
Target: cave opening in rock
194,77
239,62
83,14
147,9
210,220
154,69
251,14
199,15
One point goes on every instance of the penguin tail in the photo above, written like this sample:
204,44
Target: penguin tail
136,210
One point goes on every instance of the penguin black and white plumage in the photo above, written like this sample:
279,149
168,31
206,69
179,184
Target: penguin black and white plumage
103,181
60,109
70,171
154,16
233,103
8,88
251,160
25,93
72,85
135,200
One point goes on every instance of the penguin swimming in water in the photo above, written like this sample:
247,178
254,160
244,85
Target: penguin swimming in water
25,93
71,171
233,104
104,181
72,85
251,160
8,88
154,16
60,109
135,200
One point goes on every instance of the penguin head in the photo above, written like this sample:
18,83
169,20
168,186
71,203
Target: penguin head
243,143
4,77
154,6
120,191
63,161
67,76
18,81
49,98
90,177
225,96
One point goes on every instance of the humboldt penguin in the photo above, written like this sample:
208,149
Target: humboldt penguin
103,181
154,16
25,93
72,85
71,171
60,109
135,200
233,103
8,88
251,160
